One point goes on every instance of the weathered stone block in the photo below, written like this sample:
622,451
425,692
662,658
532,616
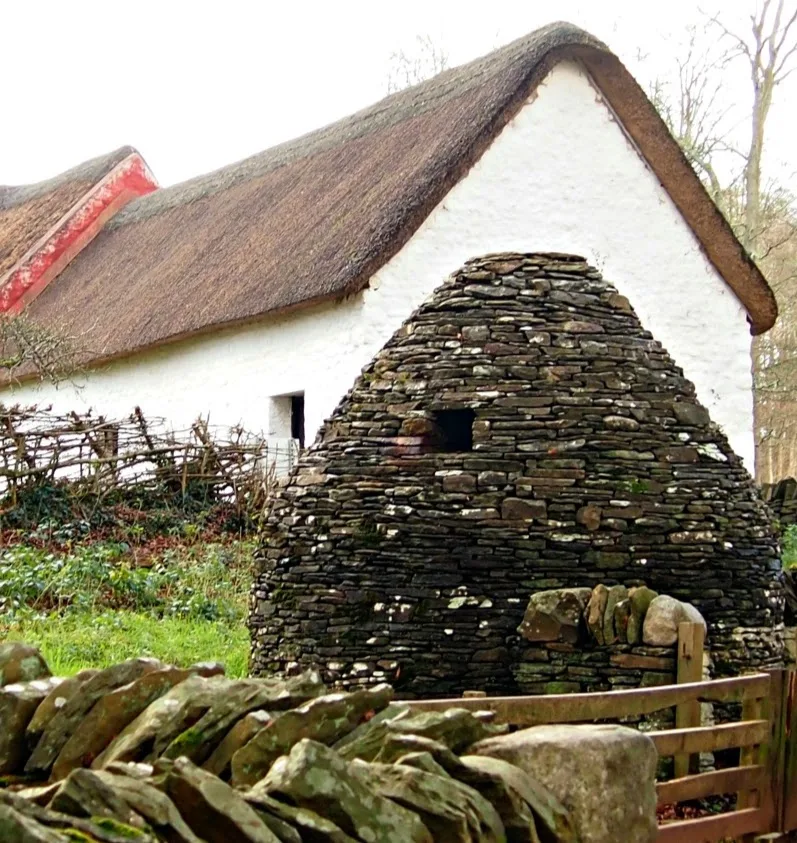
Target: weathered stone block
677,454
636,662
622,612
555,615
449,809
615,595
521,509
691,414
589,516
621,423
604,775
20,662
663,617
641,599
212,808
326,719
316,778
18,703
492,478
465,483
595,611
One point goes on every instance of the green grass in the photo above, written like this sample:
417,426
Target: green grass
91,606
79,640
209,581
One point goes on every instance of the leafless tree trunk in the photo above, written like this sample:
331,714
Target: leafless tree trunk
691,106
767,50
764,215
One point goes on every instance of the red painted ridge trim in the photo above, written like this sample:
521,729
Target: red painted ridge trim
74,231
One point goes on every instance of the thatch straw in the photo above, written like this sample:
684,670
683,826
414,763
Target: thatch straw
313,219
28,212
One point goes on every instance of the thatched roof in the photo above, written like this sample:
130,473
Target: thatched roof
28,212
314,218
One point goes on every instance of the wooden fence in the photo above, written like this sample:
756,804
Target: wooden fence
765,779
96,456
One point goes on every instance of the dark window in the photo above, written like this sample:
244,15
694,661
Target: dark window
297,418
455,430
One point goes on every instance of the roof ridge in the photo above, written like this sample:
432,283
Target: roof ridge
92,169
423,96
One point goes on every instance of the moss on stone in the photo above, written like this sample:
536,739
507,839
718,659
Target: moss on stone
11,780
367,535
562,687
189,739
120,828
283,597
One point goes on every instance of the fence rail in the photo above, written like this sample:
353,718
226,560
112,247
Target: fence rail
766,792
608,705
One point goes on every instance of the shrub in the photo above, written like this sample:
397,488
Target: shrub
789,546
208,582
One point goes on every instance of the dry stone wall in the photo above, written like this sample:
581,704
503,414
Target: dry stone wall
781,497
521,432
151,752
580,640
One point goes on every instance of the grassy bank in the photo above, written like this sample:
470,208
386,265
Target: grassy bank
78,641
95,604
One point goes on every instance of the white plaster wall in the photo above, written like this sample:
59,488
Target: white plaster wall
279,416
562,176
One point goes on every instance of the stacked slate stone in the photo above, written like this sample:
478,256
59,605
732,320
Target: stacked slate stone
520,432
781,497
150,752
581,640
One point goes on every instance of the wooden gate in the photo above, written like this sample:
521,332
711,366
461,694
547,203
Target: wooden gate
765,779
789,739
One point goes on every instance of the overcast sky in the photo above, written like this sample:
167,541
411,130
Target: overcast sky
197,85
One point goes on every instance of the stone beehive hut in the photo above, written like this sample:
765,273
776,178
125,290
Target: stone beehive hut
520,432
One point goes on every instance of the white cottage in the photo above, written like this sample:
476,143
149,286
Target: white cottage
257,293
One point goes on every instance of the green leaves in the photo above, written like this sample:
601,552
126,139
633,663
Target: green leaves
789,546
205,582
92,606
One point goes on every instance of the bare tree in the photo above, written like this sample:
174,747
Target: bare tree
30,349
703,126
407,68
766,222
691,105
767,49
762,213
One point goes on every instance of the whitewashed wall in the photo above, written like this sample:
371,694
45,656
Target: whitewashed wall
562,176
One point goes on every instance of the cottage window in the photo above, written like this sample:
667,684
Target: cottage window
454,429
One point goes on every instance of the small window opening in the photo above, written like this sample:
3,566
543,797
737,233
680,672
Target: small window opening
454,429
297,418
286,417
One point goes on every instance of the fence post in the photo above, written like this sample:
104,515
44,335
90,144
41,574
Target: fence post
749,755
790,727
774,792
691,637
